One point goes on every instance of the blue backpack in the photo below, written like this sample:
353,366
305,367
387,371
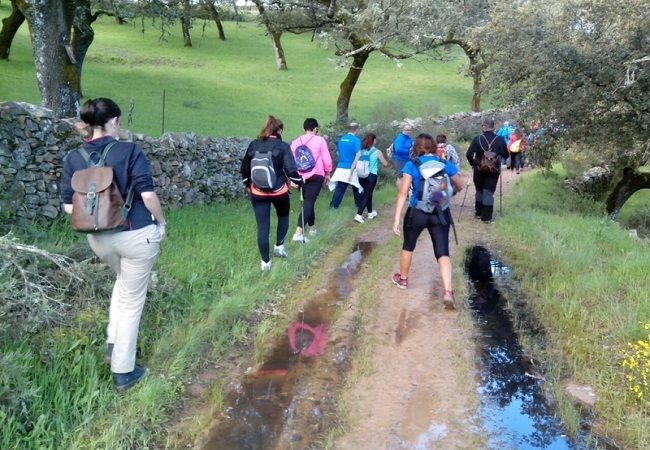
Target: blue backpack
305,161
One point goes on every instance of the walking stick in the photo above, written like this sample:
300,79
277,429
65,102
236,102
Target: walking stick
302,216
501,195
463,203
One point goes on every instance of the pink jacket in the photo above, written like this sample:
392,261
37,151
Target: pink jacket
320,151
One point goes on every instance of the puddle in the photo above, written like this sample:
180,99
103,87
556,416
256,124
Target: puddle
513,407
262,403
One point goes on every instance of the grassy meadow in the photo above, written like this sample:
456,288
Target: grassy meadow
583,277
226,88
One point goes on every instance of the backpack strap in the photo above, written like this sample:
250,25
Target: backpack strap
87,156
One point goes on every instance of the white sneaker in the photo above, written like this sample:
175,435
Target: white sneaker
359,218
278,251
372,215
313,232
300,238
266,266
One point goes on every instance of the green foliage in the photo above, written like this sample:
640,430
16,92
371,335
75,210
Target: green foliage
582,63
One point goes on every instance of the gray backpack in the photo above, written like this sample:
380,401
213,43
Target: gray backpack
435,190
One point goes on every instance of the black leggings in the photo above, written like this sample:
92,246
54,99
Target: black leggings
310,192
262,209
415,221
368,184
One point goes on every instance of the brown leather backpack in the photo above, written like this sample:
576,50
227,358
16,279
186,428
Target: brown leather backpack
97,204
489,162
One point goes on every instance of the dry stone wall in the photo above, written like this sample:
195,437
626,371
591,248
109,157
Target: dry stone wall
187,169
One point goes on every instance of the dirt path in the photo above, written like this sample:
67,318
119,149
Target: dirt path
411,383
420,393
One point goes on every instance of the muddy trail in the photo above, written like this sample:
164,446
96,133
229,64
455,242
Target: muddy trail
393,369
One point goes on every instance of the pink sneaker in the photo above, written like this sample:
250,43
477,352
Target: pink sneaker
400,282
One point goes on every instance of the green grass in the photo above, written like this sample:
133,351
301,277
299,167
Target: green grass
586,280
226,88
207,297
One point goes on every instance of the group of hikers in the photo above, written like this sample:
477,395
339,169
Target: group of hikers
427,174
427,171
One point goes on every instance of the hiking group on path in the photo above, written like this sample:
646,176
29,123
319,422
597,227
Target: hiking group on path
427,172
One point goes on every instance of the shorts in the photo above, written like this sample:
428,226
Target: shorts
399,165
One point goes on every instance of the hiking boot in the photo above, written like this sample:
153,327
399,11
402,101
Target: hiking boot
266,266
372,215
300,238
124,381
448,300
359,218
478,209
400,282
313,232
109,353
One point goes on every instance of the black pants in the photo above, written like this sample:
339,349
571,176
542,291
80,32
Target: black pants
262,209
310,192
486,186
368,184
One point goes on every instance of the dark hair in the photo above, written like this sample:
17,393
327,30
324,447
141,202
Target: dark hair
489,123
367,141
271,126
441,139
424,144
99,111
310,124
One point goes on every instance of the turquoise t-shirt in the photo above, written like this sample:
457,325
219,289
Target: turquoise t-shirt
374,159
412,170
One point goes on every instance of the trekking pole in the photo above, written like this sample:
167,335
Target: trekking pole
501,195
302,217
464,198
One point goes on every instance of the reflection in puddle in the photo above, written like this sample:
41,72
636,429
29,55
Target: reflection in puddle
513,407
263,402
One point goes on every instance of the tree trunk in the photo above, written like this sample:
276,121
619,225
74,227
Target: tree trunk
276,36
82,37
186,22
476,71
56,74
280,60
632,181
347,86
209,6
10,26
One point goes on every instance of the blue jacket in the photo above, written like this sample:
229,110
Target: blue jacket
402,147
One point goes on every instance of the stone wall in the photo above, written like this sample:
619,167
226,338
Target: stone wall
186,169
